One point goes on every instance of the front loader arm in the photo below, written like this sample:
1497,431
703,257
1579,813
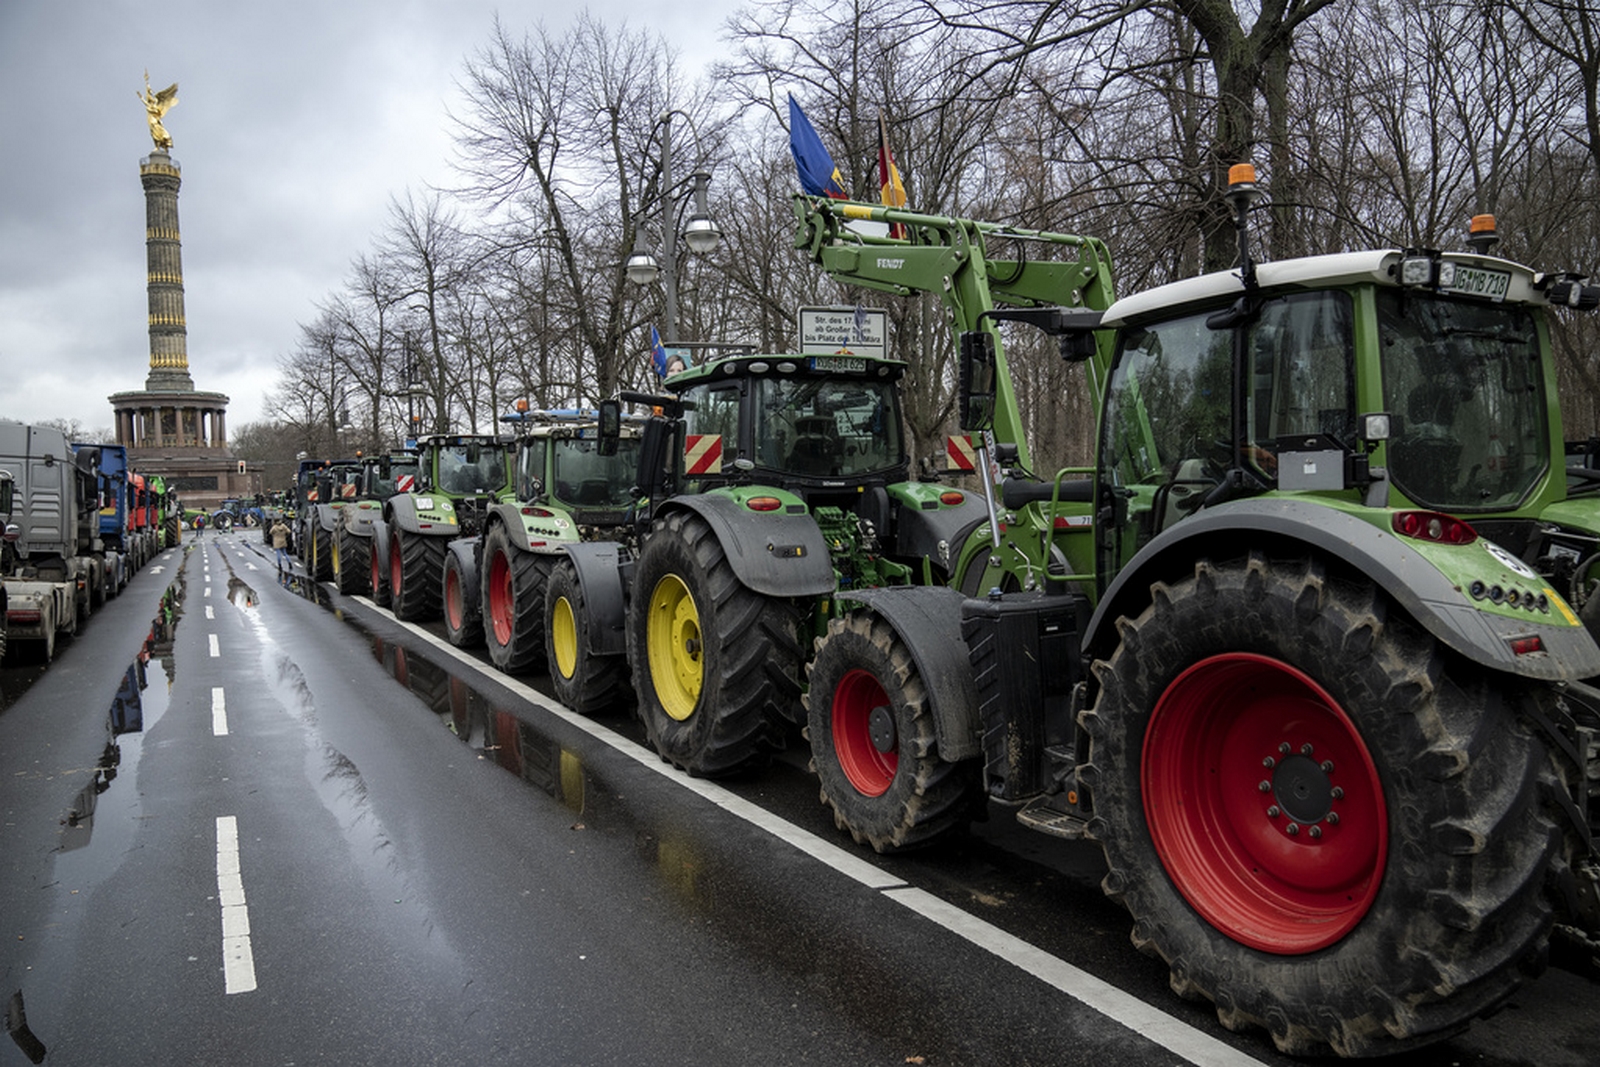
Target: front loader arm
910,253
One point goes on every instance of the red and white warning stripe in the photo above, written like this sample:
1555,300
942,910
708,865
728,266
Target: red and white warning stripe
405,483
702,453
960,453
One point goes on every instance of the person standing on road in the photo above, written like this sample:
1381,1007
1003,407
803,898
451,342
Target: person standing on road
200,524
280,543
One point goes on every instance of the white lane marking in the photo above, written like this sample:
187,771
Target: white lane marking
215,650
1173,1034
208,591
238,961
211,612
1168,1031
219,712
157,570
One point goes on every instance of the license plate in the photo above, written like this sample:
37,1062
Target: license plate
1474,281
847,364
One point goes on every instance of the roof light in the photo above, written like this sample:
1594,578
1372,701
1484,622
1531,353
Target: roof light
1481,234
1432,526
1416,269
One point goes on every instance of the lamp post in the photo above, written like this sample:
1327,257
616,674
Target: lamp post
701,233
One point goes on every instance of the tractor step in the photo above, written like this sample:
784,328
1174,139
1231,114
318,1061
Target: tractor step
1042,815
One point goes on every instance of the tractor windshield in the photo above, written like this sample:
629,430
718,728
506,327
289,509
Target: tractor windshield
1462,383
468,469
585,478
827,427
1167,432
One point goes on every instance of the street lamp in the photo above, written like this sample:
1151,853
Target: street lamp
701,231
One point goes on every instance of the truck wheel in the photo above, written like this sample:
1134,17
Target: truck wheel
584,681
378,575
513,603
873,745
1325,823
416,573
463,623
715,665
349,574
321,567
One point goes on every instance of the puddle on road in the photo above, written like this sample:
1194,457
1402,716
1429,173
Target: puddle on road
139,702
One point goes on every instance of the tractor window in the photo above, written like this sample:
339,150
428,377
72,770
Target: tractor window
384,488
1462,383
828,427
716,412
530,468
586,479
459,477
1303,377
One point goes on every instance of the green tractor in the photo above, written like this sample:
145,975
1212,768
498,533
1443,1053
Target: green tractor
531,609
1319,688
459,477
776,483
330,490
355,565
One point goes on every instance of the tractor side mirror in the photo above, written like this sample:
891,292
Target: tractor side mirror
610,426
977,381
474,453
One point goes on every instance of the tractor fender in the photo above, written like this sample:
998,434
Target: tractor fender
938,534
1441,607
771,553
927,619
328,516
544,533
469,554
598,565
380,545
405,512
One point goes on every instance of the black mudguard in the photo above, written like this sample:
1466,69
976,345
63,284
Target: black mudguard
380,544
771,553
938,535
599,569
469,555
928,620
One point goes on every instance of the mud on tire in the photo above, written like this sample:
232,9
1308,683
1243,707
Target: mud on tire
1212,715
716,667
873,745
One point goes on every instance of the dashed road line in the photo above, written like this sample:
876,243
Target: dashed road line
219,713
238,960
216,650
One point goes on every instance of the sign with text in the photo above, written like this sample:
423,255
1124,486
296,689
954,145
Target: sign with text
853,331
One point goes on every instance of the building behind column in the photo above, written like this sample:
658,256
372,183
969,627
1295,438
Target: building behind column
170,428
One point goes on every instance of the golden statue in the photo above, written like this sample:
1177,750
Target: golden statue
156,105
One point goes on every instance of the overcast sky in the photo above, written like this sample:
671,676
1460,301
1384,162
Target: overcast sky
296,122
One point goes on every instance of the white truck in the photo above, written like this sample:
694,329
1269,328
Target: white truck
49,507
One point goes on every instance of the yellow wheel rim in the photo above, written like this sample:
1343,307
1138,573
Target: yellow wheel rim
672,644
564,636
335,557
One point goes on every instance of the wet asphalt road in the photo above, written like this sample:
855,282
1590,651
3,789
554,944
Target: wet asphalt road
395,896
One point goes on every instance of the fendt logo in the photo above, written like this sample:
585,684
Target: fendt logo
890,264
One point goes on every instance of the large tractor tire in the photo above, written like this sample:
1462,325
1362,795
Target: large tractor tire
873,745
416,574
321,566
378,575
463,620
584,681
513,603
716,666
1323,822
352,569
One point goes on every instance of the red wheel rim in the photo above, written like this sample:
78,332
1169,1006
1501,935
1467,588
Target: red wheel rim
452,597
501,600
854,700
1264,804
396,566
